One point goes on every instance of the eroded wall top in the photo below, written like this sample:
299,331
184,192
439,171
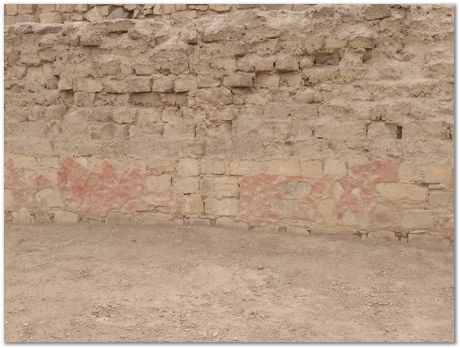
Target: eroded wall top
59,13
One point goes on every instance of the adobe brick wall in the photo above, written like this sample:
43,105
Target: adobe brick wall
330,119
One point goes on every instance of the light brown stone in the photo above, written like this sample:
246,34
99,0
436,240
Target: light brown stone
402,191
222,207
335,168
188,167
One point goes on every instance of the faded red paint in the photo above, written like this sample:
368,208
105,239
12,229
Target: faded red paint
259,194
23,190
364,177
95,193
90,192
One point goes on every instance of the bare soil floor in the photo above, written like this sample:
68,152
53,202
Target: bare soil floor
188,283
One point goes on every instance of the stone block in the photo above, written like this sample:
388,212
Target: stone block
115,86
311,169
225,186
305,96
212,166
139,84
185,84
286,63
285,207
193,205
222,207
267,80
224,63
146,117
208,82
124,115
214,96
158,182
256,63
116,217
220,7
286,167
49,198
11,9
186,185
326,209
8,199
163,84
295,189
441,199
65,83
415,219
188,167
84,98
244,167
10,20
377,11
438,174
87,85
22,216
402,191
239,80
335,168
26,8
65,217
50,17
410,172
168,9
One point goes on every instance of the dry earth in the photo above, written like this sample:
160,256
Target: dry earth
189,283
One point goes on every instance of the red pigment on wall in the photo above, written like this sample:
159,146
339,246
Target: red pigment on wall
364,177
23,190
259,195
95,193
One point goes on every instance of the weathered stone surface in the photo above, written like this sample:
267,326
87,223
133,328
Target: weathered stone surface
123,115
212,166
222,207
220,7
435,174
188,167
410,172
239,80
335,168
441,199
130,111
377,11
139,84
311,169
414,219
286,63
49,198
238,167
226,186
266,80
186,185
284,167
185,84
65,217
401,191
158,182
193,205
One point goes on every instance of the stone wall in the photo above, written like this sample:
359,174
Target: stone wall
333,119
60,13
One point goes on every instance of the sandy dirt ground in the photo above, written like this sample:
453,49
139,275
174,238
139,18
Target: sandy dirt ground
187,283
